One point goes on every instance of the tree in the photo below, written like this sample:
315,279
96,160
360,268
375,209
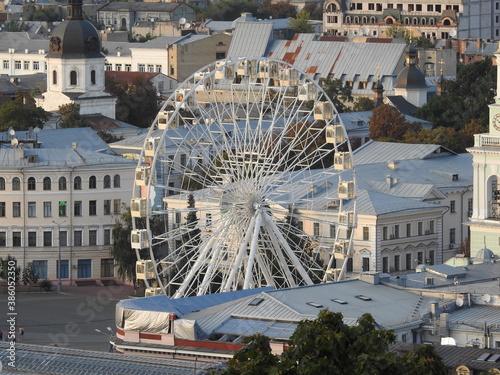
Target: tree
327,345
315,9
282,9
228,10
302,22
16,26
387,123
29,274
122,251
71,117
363,103
446,137
6,268
47,14
137,101
19,116
339,94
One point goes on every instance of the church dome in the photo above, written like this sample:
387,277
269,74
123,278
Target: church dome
76,37
485,256
410,77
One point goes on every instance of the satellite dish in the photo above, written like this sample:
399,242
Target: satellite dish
486,298
187,25
459,302
453,33
182,21
12,131
14,142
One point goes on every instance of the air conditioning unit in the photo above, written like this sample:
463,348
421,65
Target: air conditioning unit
323,110
144,270
429,281
150,145
142,175
307,91
138,207
139,238
149,292
346,190
334,134
342,160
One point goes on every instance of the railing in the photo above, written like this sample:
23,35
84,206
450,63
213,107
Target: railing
486,140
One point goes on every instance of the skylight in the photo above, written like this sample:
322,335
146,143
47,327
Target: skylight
314,304
256,302
339,301
363,298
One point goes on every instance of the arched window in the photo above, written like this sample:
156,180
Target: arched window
73,78
124,24
348,19
363,20
372,20
116,181
31,183
423,21
92,77
2,183
447,22
77,183
431,21
389,21
107,182
54,77
62,183
356,19
415,21
16,183
92,182
407,21
47,183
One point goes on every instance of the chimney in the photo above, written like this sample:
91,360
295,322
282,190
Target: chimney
389,181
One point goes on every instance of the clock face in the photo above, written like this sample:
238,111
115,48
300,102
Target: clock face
496,121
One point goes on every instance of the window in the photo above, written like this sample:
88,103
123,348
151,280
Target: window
431,226
452,235
84,268
73,78
452,206
64,269
116,181
469,205
92,77
408,229
107,207
385,264
117,206
92,208
6,64
36,65
141,68
54,77
151,68
77,238
16,183
420,257
92,182
63,238
183,160
32,239
366,234
47,183
158,69
332,231
47,209
107,182
77,183
404,337
3,239
2,183
77,211
31,209
92,237
62,208
408,262
396,263
118,67
2,209
172,71
108,67
420,228
47,238
17,64
396,231
128,67
366,264
107,266
40,268
31,183
62,183
16,209
431,257
384,233
107,236
16,239
316,229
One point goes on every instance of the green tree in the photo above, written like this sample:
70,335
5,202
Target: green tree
6,268
282,9
19,116
315,10
29,274
71,117
16,26
228,10
327,345
122,252
339,94
302,22
47,14
444,136
363,103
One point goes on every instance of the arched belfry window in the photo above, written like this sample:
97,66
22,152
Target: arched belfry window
73,78
92,77
54,77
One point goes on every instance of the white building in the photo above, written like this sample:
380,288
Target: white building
65,199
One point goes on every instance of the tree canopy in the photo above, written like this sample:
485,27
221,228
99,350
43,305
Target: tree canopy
388,124
227,10
19,116
339,94
302,22
282,9
327,345
70,116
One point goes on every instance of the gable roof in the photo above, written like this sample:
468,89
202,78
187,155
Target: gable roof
129,77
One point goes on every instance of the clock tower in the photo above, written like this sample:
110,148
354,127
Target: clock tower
484,219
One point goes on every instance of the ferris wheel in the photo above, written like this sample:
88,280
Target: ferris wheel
245,180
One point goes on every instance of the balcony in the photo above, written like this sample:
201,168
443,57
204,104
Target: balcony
486,140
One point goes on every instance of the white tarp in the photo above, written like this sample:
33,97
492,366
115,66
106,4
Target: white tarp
185,329
143,321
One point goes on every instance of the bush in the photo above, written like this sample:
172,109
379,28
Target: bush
46,285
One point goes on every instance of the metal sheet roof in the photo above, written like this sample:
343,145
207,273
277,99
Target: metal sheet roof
250,39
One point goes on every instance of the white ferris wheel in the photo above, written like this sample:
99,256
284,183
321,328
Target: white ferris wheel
245,180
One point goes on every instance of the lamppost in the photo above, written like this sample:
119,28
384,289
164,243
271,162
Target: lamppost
59,254
110,337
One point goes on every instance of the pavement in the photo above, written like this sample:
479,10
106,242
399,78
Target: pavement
67,319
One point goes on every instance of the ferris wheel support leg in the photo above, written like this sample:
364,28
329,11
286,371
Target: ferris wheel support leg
291,254
282,259
265,271
253,249
241,252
